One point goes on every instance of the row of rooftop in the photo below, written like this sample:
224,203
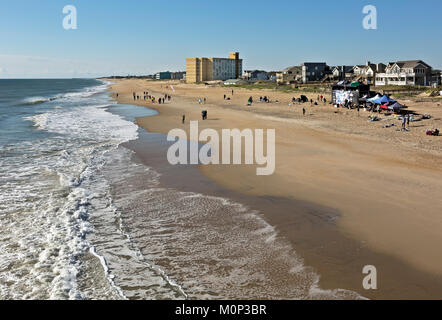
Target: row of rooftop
410,72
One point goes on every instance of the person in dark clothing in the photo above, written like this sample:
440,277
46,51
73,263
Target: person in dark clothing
184,118
303,111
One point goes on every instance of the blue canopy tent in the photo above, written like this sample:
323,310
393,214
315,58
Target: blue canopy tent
374,98
382,100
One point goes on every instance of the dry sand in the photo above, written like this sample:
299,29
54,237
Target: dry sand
386,184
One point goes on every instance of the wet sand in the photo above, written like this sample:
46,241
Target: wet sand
322,229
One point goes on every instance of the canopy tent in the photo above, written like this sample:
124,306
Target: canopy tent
347,85
396,107
374,98
382,100
350,91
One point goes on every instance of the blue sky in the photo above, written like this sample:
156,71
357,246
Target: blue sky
146,36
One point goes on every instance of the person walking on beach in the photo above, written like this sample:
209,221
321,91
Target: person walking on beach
404,121
232,92
224,97
408,122
134,96
184,118
303,111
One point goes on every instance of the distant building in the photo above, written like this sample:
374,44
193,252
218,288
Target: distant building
178,75
163,75
209,69
368,72
342,72
289,75
255,75
401,73
272,75
436,78
314,71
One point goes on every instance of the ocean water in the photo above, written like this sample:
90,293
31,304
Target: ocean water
80,218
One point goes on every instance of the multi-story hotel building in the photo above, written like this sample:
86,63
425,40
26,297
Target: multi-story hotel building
209,69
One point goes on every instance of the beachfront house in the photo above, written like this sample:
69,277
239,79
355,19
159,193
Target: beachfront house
314,71
256,75
289,75
436,78
342,72
272,75
367,73
402,73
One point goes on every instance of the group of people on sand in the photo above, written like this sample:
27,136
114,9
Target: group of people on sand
322,99
148,97
264,99
228,98
203,116
406,122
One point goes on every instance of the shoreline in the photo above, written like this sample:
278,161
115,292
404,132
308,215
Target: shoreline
277,189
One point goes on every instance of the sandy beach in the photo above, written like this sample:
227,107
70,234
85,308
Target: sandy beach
383,184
